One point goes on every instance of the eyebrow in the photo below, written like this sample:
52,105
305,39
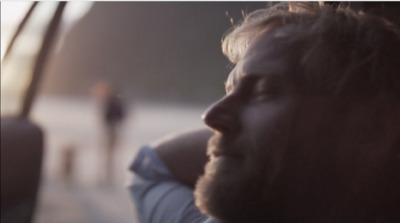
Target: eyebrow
231,82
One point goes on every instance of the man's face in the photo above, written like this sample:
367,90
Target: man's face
252,124
281,152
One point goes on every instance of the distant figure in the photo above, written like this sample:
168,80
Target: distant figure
67,163
113,114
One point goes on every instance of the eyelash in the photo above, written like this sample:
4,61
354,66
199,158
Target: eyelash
255,90
261,92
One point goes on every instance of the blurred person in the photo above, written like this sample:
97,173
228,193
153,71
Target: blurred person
309,130
68,156
113,114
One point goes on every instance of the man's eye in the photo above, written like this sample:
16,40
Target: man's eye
261,93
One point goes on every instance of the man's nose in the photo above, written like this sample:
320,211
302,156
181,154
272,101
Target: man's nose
223,116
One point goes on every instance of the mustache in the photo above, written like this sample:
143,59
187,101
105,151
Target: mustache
219,145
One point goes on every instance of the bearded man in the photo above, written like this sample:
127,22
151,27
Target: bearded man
309,130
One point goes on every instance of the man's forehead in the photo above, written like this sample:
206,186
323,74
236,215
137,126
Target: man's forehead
267,56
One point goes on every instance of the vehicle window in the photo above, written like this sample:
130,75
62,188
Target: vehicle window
11,15
16,70
17,67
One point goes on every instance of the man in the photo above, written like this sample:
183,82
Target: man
309,130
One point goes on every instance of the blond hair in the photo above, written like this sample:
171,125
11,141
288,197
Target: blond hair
341,51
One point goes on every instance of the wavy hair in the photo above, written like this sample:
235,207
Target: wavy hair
341,51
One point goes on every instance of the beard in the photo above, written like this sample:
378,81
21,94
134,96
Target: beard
235,188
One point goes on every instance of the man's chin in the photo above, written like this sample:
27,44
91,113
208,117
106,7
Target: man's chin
225,166
226,188
208,194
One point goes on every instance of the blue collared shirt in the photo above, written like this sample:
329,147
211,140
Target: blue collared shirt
158,196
